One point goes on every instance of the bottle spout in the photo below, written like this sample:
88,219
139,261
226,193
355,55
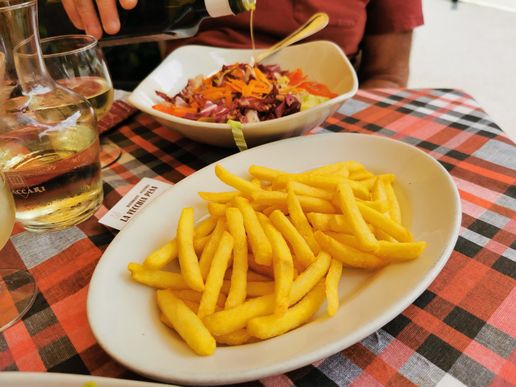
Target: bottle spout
249,5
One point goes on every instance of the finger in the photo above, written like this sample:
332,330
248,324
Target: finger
128,4
90,20
109,15
70,10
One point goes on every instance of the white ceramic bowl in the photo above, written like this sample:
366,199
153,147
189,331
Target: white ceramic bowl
321,61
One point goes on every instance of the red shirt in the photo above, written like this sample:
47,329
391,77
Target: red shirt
274,19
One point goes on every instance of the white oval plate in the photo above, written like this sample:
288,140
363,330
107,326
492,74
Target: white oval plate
54,379
124,317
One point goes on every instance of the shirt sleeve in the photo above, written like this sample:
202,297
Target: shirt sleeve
386,16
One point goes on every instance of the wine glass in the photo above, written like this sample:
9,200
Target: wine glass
17,287
77,62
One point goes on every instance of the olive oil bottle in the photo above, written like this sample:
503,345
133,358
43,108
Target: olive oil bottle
150,20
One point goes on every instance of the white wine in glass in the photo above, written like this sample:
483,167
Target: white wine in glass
97,90
17,287
77,62
6,212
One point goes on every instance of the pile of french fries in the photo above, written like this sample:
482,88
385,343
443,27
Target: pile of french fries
272,250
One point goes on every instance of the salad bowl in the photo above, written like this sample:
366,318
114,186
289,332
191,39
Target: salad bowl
320,61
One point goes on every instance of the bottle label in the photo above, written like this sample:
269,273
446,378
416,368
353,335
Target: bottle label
217,8
25,192
20,187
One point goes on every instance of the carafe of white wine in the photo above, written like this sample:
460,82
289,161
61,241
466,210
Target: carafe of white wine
49,146
151,20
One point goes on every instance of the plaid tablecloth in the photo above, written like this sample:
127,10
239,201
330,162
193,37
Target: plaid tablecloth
462,329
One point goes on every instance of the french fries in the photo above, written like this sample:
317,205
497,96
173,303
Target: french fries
162,256
157,278
246,187
283,265
272,250
350,207
211,247
219,197
332,286
238,288
265,327
230,320
187,257
215,276
186,323
301,249
260,245
348,255
299,219
168,252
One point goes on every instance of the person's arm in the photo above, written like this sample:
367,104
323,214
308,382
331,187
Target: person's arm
385,60
83,15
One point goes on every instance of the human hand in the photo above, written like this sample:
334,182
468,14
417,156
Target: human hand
83,15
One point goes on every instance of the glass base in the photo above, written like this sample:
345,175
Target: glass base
17,294
109,153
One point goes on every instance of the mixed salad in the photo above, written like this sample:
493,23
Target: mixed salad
245,93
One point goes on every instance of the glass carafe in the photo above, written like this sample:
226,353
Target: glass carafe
49,145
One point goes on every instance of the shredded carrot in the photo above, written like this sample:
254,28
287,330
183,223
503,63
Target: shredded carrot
214,93
178,111
164,107
261,76
317,89
296,77
236,84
